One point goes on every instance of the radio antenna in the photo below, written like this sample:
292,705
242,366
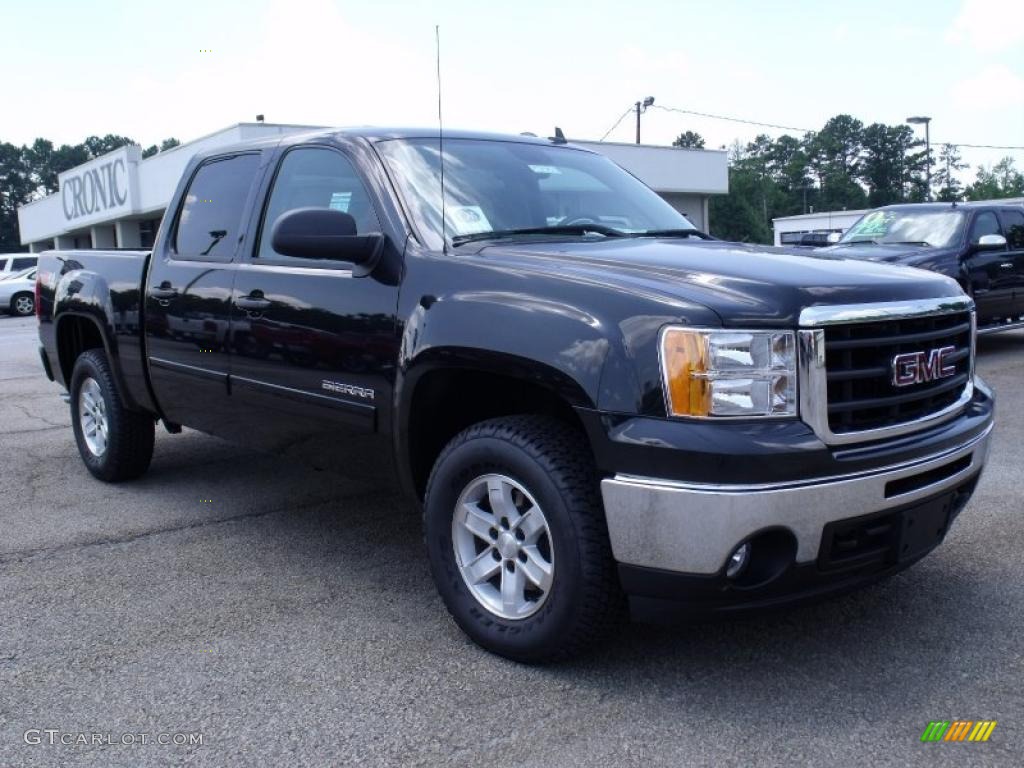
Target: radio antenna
440,134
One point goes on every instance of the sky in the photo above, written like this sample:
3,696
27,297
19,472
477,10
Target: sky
151,70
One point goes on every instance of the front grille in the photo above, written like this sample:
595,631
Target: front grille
858,364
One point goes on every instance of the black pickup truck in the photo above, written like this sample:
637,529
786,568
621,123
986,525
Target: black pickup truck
588,399
980,245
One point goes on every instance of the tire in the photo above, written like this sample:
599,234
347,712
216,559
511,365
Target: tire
126,445
547,465
23,304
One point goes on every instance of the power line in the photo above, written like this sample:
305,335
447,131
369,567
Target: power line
731,119
792,128
616,125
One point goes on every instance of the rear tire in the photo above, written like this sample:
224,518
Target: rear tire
506,470
23,304
115,444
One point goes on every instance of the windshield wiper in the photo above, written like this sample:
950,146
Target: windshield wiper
672,233
570,229
865,241
907,242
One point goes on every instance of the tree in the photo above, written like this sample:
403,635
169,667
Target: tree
97,146
164,145
949,187
15,188
834,155
890,168
689,140
1003,180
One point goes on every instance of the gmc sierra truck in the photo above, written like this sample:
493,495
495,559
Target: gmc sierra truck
980,245
594,405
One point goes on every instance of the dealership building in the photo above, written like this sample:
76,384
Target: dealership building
118,199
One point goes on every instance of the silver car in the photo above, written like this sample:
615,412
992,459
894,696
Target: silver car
18,293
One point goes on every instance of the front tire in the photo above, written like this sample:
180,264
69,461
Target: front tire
115,444
517,540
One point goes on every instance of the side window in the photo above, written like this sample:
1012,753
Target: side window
211,217
3,264
315,177
23,263
985,223
1013,228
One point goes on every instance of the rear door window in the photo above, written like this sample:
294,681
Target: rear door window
23,263
210,224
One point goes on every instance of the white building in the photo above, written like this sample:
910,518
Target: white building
789,229
118,199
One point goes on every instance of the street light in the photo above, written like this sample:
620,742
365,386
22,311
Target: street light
927,152
645,104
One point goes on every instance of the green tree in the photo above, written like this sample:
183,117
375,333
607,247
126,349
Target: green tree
15,189
945,181
1002,180
690,140
890,167
164,145
834,155
97,146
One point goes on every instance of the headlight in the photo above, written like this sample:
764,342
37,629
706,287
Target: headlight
729,373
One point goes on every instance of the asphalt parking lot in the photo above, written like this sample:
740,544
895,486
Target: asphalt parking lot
291,621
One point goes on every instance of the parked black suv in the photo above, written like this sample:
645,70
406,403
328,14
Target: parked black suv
585,397
981,246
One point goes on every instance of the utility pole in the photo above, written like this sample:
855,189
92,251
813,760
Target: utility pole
927,152
641,106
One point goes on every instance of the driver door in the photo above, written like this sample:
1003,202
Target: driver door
990,273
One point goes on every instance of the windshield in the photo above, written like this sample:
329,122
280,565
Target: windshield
935,228
497,186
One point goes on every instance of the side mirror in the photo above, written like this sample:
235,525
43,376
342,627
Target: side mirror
990,243
833,237
323,233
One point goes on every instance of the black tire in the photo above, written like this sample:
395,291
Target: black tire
129,445
553,463
23,304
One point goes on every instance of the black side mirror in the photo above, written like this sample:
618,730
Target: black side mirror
990,243
324,233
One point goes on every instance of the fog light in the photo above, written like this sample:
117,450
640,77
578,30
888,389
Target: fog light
738,561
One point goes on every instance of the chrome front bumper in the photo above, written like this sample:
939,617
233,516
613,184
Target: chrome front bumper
693,528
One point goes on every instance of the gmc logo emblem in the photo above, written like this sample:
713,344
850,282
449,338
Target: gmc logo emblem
920,367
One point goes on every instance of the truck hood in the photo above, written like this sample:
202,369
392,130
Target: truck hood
743,284
887,254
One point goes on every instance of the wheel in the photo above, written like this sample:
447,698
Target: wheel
517,540
115,443
23,304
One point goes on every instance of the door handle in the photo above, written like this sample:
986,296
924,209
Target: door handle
252,303
163,291
1007,265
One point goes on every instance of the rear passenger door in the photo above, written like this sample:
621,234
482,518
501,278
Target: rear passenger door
1013,229
314,343
989,272
188,296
